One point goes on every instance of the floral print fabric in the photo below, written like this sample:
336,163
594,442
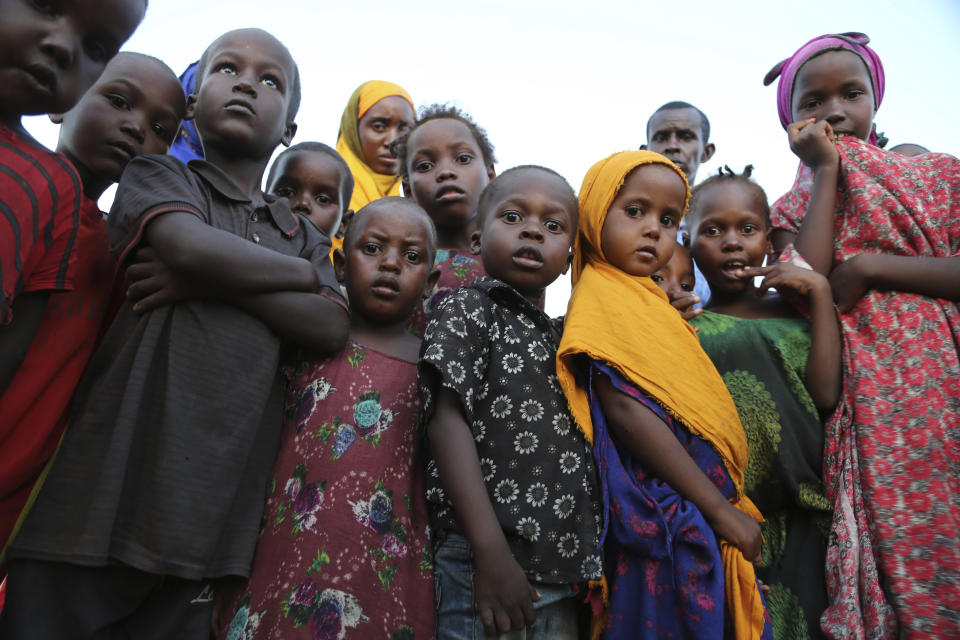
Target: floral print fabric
344,552
892,450
497,352
457,269
661,557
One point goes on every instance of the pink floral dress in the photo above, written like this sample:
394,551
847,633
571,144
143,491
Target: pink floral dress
892,449
344,551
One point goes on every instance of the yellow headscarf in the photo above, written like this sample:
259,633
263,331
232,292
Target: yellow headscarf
628,323
367,184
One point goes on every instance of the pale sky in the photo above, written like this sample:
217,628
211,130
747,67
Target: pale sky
564,84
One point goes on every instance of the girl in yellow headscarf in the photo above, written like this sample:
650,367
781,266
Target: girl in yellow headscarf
679,534
377,113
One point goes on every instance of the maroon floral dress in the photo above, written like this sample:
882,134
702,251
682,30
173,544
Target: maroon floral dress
344,551
892,450
457,269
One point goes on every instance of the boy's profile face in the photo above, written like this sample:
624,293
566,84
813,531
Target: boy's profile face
527,231
312,182
243,94
51,52
134,108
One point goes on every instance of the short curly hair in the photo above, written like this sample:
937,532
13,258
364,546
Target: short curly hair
439,112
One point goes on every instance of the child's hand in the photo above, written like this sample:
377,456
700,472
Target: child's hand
813,143
504,597
150,284
740,530
850,280
784,275
684,304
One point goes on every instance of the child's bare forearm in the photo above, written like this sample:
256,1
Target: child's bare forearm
815,240
222,261
650,441
824,363
16,337
934,277
310,321
455,452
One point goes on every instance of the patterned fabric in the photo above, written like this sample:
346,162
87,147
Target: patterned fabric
763,362
661,556
35,404
457,269
497,351
40,195
175,424
892,451
344,551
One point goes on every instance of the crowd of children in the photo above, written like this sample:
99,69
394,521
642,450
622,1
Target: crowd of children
326,410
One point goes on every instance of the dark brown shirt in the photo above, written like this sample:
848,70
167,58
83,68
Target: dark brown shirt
177,420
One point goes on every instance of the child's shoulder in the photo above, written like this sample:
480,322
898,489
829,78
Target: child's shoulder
27,161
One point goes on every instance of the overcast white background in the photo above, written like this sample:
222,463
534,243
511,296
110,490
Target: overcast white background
564,84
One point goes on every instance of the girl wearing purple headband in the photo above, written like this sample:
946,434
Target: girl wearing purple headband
886,229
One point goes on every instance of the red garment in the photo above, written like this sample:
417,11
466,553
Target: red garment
34,406
39,215
892,449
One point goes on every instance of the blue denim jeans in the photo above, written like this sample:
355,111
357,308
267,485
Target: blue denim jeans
560,614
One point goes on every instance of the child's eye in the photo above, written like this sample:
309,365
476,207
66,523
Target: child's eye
323,198
423,166
810,104
159,130
283,192
668,221
656,277
371,249
270,81
226,68
511,216
686,286
853,95
464,158
634,211
711,231
749,228
96,50
412,257
553,226
119,102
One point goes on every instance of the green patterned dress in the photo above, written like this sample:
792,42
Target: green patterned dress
763,363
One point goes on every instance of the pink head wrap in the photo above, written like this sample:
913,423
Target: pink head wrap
787,69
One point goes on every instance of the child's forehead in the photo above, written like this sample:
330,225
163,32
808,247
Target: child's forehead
255,45
319,165
441,133
654,178
831,63
396,220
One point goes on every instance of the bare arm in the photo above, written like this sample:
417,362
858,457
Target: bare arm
16,337
223,262
934,277
308,320
504,597
650,441
813,144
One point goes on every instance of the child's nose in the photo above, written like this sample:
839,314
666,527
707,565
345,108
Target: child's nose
135,129
730,240
532,232
60,43
390,260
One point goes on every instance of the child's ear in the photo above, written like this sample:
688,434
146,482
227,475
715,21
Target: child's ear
288,132
344,221
566,266
55,118
432,280
339,264
491,172
191,107
475,242
708,151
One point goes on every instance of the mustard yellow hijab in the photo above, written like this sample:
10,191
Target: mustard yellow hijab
368,185
628,323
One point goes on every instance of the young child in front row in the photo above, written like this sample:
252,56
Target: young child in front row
317,182
135,107
885,229
344,550
445,161
679,533
511,485
157,490
41,198
783,373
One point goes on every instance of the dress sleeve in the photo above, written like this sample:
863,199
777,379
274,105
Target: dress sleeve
151,185
454,352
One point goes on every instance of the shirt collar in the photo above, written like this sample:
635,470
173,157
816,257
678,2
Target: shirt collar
278,208
505,294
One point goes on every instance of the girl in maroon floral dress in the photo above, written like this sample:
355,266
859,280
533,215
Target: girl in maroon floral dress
886,228
344,551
